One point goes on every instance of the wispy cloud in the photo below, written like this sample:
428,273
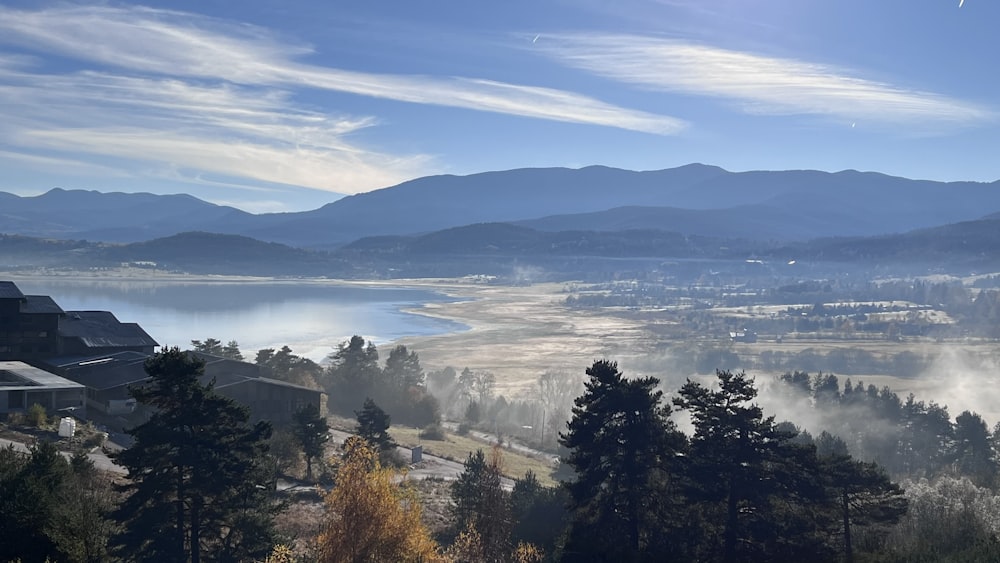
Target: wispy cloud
184,45
760,84
168,124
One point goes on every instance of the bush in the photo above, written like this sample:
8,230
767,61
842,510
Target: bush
432,432
37,416
463,429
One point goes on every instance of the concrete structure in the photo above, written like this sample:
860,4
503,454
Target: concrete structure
22,385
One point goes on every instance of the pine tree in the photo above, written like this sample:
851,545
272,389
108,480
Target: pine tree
753,473
196,486
312,433
623,447
373,426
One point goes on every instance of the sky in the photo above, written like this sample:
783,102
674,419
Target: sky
285,105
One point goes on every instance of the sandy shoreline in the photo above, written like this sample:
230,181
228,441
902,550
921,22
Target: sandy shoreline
518,333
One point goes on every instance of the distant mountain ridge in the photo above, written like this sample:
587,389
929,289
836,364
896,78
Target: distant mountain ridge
695,199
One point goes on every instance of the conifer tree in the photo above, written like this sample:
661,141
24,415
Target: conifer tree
312,432
624,448
197,487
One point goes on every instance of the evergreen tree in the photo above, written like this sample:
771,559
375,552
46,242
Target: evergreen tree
209,346
402,369
353,373
196,483
624,449
373,426
751,472
482,508
312,432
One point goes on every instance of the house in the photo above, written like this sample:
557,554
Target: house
22,385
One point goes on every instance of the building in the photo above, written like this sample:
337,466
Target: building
268,399
100,358
29,324
107,378
100,332
22,385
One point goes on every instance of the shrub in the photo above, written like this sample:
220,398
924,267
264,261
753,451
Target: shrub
463,429
36,415
432,432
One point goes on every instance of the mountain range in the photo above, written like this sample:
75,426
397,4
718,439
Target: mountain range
779,206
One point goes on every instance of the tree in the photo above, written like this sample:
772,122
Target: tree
482,508
745,467
973,454
623,447
197,485
354,373
287,366
373,426
53,508
402,369
368,518
232,351
209,346
864,494
556,391
312,433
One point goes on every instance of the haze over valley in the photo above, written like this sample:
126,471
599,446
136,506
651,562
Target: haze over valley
521,282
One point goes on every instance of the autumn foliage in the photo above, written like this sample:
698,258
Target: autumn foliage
369,518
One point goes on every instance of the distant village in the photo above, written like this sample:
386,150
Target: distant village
79,362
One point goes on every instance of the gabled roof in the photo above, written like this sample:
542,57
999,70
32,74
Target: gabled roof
9,290
101,329
40,305
104,371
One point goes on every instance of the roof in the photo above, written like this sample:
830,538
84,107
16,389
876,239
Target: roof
16,376
9,290
40,305
101,329
239,379
104,371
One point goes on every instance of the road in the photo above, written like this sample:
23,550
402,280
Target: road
430,467
101,461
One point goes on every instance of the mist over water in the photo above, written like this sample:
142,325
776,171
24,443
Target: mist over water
310,317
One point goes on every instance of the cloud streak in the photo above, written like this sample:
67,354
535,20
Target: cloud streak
759,84
185,45
173,127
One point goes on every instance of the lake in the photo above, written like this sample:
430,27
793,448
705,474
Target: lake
311,317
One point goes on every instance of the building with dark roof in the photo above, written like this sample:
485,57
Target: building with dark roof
22,385
29,324
107,378
100,332
268,399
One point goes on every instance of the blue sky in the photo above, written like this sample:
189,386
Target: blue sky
278,105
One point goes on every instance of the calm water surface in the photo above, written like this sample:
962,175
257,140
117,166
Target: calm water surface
310,317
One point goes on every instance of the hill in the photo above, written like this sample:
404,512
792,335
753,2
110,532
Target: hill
696,199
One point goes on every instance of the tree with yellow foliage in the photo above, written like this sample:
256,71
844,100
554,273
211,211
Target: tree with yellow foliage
369,518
